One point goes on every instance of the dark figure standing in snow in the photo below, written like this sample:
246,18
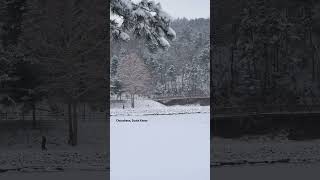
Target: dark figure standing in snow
122,106
43,143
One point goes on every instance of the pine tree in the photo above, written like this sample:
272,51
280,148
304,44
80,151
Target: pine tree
21,86
144,19
114,66
68,38
11,21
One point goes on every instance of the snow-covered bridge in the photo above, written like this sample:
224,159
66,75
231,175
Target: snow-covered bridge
202,100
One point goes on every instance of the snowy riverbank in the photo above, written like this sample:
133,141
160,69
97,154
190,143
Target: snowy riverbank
235,152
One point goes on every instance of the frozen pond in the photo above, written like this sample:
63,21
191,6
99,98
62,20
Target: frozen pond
158,147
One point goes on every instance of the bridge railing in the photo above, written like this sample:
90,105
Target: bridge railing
266,108
180,97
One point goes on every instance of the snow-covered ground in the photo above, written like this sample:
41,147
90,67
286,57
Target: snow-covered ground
52,160
69,175
19,155
173,142
170,143
263,151
149,107
264,158
268,172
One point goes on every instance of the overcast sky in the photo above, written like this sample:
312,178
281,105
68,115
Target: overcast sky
186,8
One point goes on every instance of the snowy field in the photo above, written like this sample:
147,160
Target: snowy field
171,146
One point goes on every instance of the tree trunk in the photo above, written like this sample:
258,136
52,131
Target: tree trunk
75,125
84,112
34,123
132,100
182,81
313,68
231,68
277,59
70,124
313,56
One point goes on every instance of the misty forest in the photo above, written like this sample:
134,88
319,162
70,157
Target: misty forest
266,52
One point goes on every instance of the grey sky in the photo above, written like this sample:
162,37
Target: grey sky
186,8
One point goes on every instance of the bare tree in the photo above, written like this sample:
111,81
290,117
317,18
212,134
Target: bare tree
134,76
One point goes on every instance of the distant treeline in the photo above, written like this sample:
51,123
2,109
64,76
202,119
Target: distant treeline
266,52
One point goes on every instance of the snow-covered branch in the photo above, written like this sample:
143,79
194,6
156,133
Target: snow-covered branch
144,19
